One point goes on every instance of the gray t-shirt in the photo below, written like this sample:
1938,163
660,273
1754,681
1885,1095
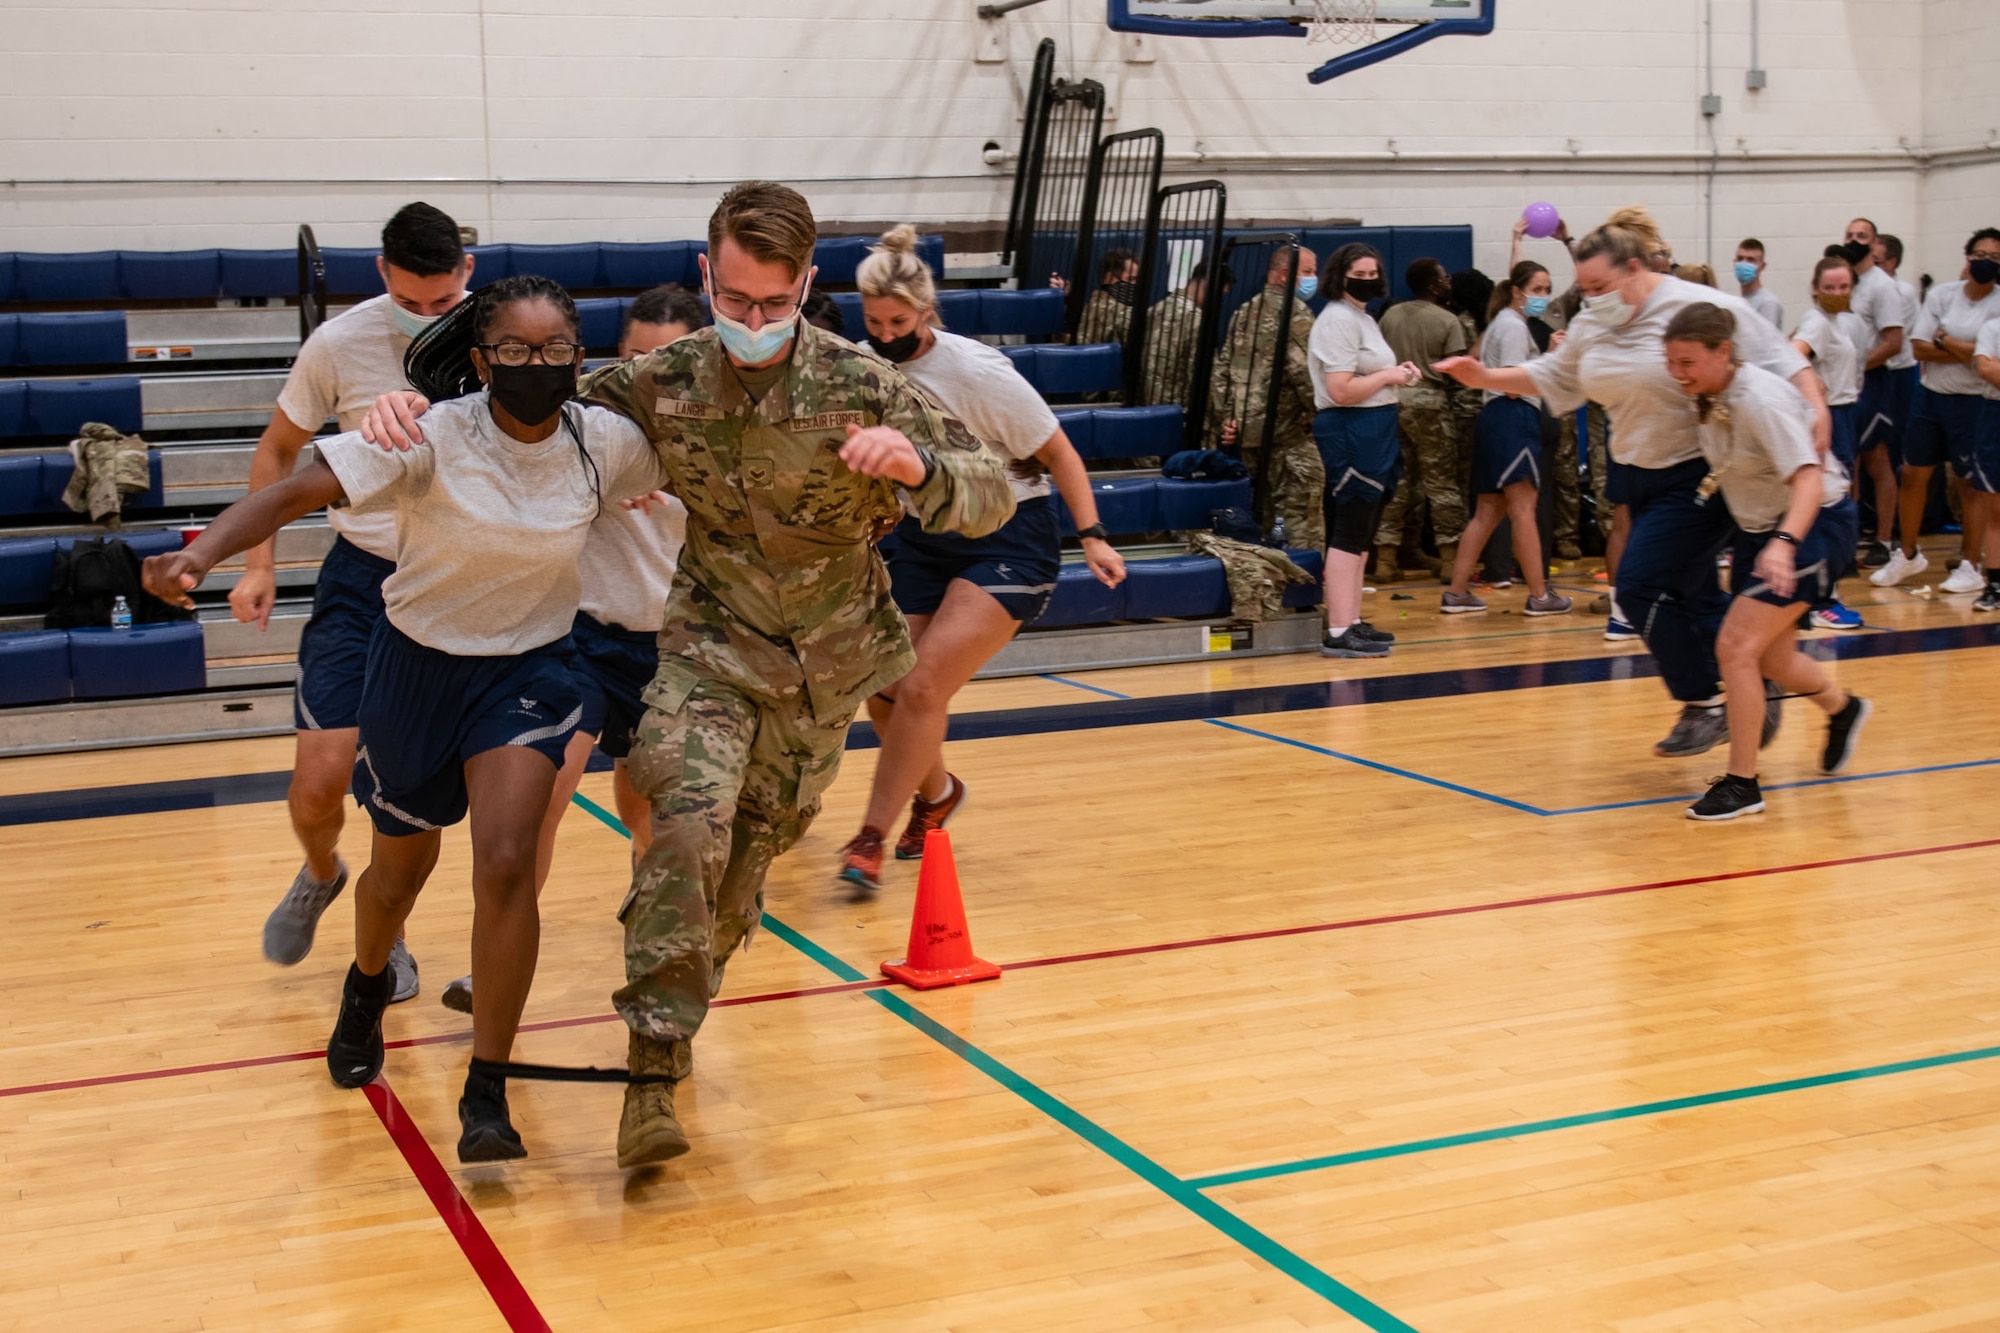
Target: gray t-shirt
1766,303
1835,357
980,387
1948,310
348,362
1879,303
1346,339
488,528
1911,303
1624,368
628,562
1757,434
1508,342
1988,346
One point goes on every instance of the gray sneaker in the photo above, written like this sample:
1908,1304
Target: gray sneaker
1699,729
1461,603
1548,604
402,973
288,931
457,995
1350,644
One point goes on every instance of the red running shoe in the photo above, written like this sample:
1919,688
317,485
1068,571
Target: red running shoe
861,859
927,815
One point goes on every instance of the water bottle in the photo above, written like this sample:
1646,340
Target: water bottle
121,614
1278,532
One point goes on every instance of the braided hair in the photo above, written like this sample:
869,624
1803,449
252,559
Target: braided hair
439,362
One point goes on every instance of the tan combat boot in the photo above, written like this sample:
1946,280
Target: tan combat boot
647,1129
1447,557
1385,565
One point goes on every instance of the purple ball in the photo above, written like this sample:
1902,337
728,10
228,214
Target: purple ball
1542,220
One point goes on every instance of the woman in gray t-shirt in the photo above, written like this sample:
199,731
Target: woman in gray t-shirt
1795,530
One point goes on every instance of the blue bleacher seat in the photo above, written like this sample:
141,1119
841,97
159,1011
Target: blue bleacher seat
20,483
260,273
837,257
34,667
10,339
147,659
856,330
1034,313
490,263
640,264
1080,425
1092,368
7,276
601,318
87,276
960,312
191,275
91,339
1137,432
573,266
1125,505
25,566
59,407
351,271
1186,505
1024,359
58,467
1079,599
13,408
1306,594
1178,587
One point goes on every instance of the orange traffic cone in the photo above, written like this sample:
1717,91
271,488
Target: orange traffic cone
940,948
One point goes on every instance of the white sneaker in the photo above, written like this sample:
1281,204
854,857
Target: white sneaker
1899,568
1966,578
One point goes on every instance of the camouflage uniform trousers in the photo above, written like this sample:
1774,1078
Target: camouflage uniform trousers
734,781
1431,470
1291,484
1600,458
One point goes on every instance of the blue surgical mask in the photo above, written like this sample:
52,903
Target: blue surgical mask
754,346
1537,306
1745,273
409,322
1308,286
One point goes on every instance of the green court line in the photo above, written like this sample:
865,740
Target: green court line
1526,1128
1181,1192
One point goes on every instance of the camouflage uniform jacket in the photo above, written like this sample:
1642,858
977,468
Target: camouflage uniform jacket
109,466
1258,576
1172,329
780,589
1105,319
1237,386
1426,333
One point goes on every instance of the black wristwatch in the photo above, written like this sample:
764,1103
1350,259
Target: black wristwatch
1094,530
1787,538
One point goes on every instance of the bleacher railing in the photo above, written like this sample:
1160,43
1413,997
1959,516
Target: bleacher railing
1066,136
1117,196
1170,350
1040,79
312,283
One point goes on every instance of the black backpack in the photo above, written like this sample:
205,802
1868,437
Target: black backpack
90,574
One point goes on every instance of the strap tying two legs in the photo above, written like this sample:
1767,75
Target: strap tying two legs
499,1069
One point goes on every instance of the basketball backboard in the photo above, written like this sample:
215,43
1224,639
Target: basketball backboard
1410,23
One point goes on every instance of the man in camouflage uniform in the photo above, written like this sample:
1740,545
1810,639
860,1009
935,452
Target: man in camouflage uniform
1107,315
1291,483
1173,327
1427,418
790,456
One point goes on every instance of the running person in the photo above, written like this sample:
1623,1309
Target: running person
1666,581
1944,425
964,597
1830,336
1355,379
1792,541
1507,450
470,695
626,568
339,371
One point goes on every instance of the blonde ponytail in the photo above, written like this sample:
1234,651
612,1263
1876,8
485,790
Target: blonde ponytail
893,269
1626,235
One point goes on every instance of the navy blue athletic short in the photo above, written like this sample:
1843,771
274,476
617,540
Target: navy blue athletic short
1846,429
1506,446
1820,559
1362,453
1985,460
333,647
615,665
424,713
1944,427
1016,566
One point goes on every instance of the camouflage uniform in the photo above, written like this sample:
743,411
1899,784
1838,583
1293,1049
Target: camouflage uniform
1291,483
1258,576
1106,319
110,465
1428,420
778,625
1172,327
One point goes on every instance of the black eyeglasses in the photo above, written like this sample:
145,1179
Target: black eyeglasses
558,352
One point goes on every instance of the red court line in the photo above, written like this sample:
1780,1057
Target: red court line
516,1306
1169,946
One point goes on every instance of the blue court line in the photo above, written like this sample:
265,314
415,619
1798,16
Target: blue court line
1387,768
1786,786
1228,1223
1094,689
1526,1128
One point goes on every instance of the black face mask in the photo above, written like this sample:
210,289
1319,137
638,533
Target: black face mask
1124,293
1983,271
1364,289
897,350
1856,251
532,393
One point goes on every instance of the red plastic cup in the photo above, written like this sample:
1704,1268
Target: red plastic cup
189,533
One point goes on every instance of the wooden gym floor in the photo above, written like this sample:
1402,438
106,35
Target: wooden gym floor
1388,995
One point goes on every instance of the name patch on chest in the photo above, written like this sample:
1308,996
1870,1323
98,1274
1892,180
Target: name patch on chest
686,409
828,421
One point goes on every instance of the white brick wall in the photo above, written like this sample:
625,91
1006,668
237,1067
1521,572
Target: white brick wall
280,101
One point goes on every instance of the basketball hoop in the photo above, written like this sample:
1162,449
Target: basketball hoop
1342,22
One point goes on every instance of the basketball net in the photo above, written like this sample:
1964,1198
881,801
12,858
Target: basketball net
1345,22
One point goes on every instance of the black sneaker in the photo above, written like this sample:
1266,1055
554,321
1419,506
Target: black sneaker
1988,600
1729,797
354,1051
1351,644
1842,730
1774,713
1368,631
1874,555
486,1132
